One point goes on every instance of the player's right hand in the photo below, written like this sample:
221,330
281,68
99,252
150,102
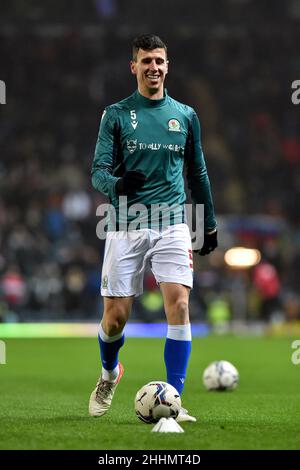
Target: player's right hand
130,182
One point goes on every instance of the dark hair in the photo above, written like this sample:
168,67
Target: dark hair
148,42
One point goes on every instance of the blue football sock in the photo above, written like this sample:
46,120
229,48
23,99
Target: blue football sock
109,348
177,352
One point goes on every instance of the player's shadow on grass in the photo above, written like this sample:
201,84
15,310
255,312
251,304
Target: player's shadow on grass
80,419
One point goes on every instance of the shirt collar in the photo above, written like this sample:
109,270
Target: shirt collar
152,103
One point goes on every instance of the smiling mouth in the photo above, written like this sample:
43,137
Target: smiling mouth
153,77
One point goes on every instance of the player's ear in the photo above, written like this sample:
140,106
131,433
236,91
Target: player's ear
133,67
167,67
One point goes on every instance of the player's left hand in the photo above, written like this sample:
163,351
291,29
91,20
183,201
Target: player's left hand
210,243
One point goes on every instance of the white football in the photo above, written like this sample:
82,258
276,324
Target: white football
157,400
220,375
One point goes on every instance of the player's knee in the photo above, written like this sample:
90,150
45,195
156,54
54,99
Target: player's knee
181,311
115,320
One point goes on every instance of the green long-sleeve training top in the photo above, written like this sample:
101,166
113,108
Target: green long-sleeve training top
157,137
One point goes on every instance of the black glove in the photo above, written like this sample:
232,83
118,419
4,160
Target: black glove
210,243
130,182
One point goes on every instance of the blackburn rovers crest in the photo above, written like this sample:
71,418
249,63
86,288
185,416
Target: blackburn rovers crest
174,125
104,282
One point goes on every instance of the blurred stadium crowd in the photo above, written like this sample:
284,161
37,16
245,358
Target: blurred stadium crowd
234,62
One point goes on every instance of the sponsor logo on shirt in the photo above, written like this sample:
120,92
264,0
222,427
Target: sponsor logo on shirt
174,125
174,148
131,145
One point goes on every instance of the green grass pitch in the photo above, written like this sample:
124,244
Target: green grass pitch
46,383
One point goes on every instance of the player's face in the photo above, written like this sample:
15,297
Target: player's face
150,68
